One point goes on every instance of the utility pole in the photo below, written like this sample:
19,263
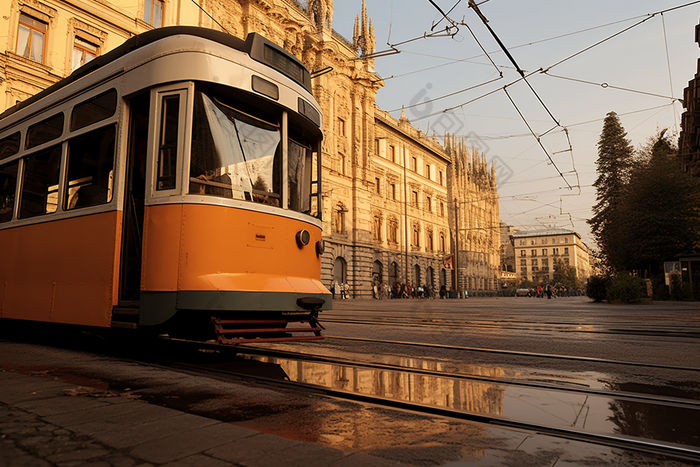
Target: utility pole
456,284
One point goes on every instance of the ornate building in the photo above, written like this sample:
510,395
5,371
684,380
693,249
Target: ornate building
394,200
689,140
538,251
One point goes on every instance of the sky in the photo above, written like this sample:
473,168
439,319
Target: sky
448,83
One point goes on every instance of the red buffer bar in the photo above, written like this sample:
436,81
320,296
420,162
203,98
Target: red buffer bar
263,334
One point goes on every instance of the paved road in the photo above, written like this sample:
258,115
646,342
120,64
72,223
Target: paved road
392,436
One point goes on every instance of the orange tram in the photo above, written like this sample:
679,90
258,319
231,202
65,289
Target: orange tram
172,185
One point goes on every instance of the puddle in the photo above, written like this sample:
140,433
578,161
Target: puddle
585,412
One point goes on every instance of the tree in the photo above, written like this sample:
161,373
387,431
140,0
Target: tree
615,158
659,212
565,275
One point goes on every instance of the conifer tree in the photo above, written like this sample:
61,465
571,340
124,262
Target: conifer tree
659,214
615,157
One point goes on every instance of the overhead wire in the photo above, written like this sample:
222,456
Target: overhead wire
668,64
605,85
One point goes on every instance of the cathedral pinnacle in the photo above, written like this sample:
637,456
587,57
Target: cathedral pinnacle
363,35
321,13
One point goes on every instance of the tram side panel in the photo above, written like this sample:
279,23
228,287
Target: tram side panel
216,258
62,271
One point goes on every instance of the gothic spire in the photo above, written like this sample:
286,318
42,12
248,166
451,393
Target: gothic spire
363,35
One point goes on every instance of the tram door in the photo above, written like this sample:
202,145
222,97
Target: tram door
135,188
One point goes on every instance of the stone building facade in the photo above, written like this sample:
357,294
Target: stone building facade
537,252
395,201
689,139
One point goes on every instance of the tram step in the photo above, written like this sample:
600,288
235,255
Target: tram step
123,325
125,311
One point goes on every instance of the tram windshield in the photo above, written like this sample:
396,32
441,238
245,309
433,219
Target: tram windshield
237,153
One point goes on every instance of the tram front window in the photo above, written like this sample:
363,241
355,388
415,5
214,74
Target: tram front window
235,154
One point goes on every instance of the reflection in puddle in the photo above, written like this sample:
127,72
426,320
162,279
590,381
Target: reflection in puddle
558,408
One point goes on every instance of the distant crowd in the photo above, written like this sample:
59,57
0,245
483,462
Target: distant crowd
382,291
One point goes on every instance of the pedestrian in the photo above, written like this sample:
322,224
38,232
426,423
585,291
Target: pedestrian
443,291
342,290
346,290
336,290
332,289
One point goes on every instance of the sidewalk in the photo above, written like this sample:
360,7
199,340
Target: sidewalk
45,422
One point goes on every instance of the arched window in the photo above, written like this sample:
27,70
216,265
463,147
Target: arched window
393,273
416,275
340,270
377,275
429,243
339,219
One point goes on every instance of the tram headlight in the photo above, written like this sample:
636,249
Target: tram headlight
320,247
303,238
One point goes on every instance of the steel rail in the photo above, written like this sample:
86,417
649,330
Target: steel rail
521,327
675,401
619,441
520,353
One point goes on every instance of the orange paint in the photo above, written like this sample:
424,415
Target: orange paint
65,271
223,248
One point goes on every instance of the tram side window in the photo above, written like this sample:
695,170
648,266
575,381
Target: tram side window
167,147
94,110
8,184
90,169
40,183
9,146
300,157
45,131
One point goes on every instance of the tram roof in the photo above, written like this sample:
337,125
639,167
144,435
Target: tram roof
251,46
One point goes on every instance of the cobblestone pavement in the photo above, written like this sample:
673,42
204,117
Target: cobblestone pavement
45,422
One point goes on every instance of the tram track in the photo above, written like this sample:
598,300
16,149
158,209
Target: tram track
611,439
520,353
554,327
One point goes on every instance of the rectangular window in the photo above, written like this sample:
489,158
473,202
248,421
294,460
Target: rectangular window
523,262
414,164
9,145
545,263
342,164
393,191
90,165
523,253
40,184
45,131
167,143
566,251
414,199
544,252
440,177
428,204
555,251
341,127
378,186
153,12
533,252
427,171
8,184
94,110
31,38
83,52
392,153
442,209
